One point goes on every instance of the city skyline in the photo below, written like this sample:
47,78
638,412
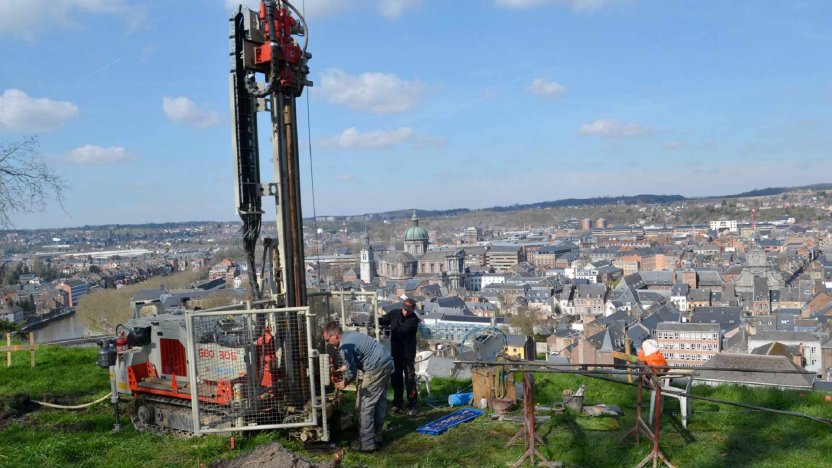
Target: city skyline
467,105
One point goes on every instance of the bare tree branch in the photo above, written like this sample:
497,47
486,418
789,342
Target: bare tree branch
26,181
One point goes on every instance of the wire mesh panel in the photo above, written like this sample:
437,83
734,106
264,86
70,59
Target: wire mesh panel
352,310
253,369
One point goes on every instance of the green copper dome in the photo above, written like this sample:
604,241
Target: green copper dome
415,233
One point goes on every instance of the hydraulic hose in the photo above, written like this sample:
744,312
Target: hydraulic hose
72,407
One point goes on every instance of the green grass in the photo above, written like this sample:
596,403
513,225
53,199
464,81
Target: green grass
718,435
62,372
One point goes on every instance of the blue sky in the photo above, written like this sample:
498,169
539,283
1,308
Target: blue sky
425,103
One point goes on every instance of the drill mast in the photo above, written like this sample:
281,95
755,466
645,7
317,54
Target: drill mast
264,43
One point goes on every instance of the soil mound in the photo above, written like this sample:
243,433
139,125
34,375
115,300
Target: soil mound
270,455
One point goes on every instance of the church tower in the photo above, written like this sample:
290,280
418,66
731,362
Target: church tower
368,261
415,238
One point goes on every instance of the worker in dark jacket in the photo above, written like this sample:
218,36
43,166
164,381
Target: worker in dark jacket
403,325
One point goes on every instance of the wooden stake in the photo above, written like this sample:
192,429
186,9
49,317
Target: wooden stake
9,349
32,347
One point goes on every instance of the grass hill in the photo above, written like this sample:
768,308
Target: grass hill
717,435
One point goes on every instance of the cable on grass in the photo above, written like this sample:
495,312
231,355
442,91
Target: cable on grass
72,407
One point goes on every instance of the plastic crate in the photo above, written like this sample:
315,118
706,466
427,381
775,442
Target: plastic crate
448,421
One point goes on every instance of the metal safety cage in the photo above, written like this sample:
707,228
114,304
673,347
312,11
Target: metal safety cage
352,310
255,369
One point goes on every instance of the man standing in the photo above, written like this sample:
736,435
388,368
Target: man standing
360,352
403,325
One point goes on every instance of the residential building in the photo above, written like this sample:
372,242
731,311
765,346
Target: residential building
811,343
688,344
502,258
775,378
72,290
679,296
590,298
724,225
628,263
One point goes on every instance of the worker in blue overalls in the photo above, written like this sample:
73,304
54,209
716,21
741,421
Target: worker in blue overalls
361,352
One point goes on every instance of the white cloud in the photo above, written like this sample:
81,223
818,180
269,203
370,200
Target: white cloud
612,128
346,177
390,9
183,110
396,8
22,17
575,5
19,111
379,93
352,138
95,155
671,145
542,87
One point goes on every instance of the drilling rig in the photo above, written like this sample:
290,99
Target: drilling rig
256,365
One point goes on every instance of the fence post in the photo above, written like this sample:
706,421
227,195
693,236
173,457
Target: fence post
32,347
343,313
9,349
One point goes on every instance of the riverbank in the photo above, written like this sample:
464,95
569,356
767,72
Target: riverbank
47,318
104,309
66,328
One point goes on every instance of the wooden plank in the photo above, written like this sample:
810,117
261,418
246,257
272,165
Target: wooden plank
623,356
483,384
165,385
18,347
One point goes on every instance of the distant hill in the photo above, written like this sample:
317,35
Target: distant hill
621,200
769,191
596,201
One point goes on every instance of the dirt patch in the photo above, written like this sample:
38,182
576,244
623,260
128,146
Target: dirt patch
15,407
272,455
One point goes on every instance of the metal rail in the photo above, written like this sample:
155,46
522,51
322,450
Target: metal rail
642,371
634,366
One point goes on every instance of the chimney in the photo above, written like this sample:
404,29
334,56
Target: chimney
800,361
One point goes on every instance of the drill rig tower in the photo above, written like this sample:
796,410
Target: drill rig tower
262,42
255,365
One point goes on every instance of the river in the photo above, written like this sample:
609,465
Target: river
63,329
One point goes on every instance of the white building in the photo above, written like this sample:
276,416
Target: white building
729,224
492,278
812,353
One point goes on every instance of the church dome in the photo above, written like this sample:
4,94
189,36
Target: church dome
415,232
399,257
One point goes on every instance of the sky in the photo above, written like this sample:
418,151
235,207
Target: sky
429,104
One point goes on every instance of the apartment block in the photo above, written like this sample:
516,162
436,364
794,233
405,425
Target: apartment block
688,344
